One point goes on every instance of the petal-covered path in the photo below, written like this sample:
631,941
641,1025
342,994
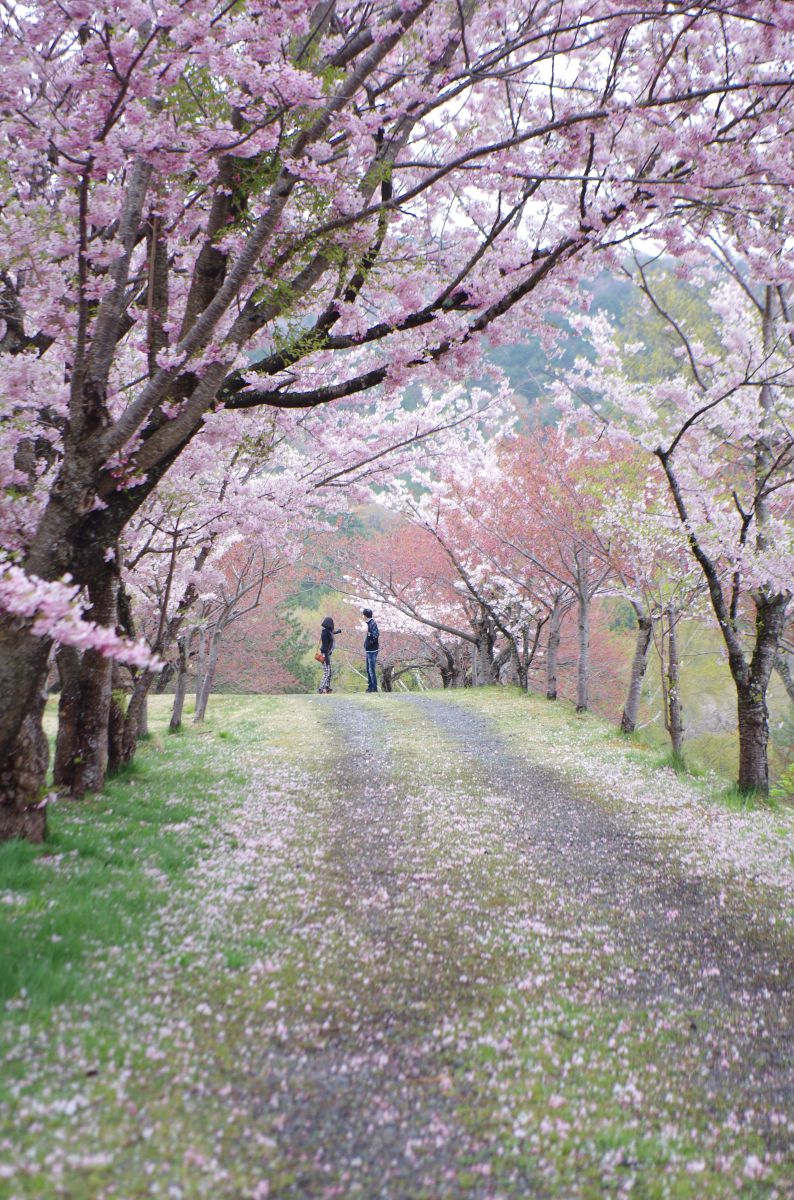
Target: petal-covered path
419,959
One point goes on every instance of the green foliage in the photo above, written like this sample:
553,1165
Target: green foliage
197,97
644,325
622,616
784,789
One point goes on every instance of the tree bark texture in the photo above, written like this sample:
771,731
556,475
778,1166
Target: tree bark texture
82,756
68,662
552,650
628,722
202,697
583,665
24,755
180,690
22,779
784,671
483,669
753,718
135,716
753,715
116,720
674,719
201,662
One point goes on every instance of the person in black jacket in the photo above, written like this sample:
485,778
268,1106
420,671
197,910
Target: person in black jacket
371,644
327,633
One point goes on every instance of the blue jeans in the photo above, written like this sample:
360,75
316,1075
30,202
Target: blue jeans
372,679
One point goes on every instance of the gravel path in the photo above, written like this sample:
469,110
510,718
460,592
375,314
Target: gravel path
362,1113
389,1104
694,943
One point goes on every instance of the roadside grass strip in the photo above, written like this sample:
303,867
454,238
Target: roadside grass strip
102,1081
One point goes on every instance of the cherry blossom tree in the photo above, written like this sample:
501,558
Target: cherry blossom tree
534,505
285,204
720,429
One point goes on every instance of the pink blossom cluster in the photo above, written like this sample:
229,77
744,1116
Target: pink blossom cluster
55,612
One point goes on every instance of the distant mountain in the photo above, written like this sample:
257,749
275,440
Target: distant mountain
528,365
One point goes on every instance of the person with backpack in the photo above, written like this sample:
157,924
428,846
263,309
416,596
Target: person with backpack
327,636
371,643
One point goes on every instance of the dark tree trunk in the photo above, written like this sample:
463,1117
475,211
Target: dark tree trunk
82,756
387,673
524,660
135,716
770,618
180,690
784,671
753,741
201,662
450,675
24,753
118,704
164,678
483,669
639,665
449,670
22,781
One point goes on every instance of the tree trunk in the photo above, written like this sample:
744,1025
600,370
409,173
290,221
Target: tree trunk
753,741
674,717
552,649
201,662
523,670
180,690
118,705
483,671
202,698
68,663
770,619
386,678
82,757
22,780
449,672
24,753
583,667
164,678
639,665
135,717
784,671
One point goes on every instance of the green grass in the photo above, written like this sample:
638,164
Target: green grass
106,867
95,883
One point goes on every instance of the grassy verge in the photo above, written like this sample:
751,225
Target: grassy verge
109,863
